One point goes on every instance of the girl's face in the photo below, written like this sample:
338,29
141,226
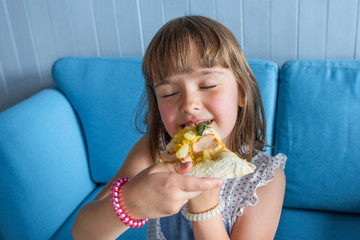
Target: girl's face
204,94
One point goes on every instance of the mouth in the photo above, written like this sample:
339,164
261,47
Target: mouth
194,122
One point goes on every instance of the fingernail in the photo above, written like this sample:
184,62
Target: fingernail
220,181
185,164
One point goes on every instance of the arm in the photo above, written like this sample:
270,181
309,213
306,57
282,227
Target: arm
212,228
96,219
153,191
261,221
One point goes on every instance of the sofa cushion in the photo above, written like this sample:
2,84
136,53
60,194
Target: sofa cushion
318,129
306,224
44,172
105,92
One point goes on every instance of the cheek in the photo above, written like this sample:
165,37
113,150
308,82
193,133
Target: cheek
168,117
225,103
225,108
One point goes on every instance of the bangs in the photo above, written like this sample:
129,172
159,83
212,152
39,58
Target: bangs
171,49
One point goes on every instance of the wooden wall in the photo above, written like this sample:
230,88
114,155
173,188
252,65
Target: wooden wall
34,33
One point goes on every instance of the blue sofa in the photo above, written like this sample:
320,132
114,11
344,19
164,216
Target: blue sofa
59,147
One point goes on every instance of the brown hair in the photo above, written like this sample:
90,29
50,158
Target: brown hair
169,53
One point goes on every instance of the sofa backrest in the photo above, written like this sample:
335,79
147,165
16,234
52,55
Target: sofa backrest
318,128
105,91
266,74
42,153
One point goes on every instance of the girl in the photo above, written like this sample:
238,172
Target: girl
195,71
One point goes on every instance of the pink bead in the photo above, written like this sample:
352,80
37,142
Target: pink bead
131,223
115,197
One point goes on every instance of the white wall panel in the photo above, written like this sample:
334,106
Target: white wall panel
175,8
62,28
341,30
106,28
229,12
257,28
36,32
283,34
82,18
152,18
12,89
130,29
4,93
24,61
43,40
312,28
357,43
203,7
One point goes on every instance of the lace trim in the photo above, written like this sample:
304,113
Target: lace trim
154,230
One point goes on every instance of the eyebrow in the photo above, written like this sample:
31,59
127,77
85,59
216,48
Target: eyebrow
161,83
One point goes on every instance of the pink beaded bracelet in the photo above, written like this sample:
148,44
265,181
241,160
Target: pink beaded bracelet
119,210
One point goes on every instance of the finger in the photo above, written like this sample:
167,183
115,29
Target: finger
182,168
195,184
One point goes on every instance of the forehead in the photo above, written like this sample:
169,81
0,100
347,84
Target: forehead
190,61
196,73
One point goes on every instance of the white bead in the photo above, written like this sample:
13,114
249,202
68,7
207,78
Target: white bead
205,215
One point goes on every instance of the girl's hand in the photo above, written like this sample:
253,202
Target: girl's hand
162,189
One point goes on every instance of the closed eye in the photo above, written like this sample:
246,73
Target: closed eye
208,87
169,95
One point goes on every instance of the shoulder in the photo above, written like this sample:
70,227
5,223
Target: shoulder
265,214
275,187
271,175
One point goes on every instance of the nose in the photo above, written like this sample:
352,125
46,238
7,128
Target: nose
191,102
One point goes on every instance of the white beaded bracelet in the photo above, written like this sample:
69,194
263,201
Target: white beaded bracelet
195,217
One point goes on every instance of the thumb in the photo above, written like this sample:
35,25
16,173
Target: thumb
182,168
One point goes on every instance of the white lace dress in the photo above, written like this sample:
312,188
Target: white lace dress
237,193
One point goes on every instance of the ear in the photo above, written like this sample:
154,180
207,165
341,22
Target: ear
241,102
241,99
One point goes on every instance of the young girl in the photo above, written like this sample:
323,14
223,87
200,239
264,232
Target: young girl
195,71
